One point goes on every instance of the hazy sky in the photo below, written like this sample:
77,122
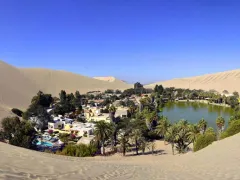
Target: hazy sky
134,40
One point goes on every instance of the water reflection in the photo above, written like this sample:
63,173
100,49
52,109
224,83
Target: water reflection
194,111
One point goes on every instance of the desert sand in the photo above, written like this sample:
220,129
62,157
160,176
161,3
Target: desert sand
228,80
107,78
18,86
218,161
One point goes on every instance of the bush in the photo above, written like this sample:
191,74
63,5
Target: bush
64,137
203,141
233,128
17,112
19,133
81,150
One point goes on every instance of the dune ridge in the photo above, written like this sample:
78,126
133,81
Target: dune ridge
228,80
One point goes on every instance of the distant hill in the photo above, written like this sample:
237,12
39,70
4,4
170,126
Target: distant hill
228,80
19,85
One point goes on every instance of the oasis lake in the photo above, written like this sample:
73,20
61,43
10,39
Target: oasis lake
195,111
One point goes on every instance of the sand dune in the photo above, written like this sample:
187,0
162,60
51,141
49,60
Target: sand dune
218,161
52,81
107,78
16,90
18,86
229,80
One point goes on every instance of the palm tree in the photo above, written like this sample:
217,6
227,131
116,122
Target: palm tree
220,125
170,136
132,110
193,133
124,143
163,126
112,111
102,132
202,124
136,135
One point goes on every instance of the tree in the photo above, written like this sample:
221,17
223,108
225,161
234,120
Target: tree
225,92
136,135
220,125
124,143
63,96
102,132
210,130
236,94
78,100
163,126
118,91
19,133
233,128
131,110
112,111
138,85
182,136
193,133
170,136
39,117
138,88
156,88
203,140
202,124
41,99
232,101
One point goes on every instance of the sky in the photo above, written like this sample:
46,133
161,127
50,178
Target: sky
133,40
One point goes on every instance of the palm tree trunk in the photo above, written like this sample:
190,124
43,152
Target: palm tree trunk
103,148
124,150
172,148
136,145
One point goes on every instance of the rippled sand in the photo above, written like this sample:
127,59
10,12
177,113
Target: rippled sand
220,161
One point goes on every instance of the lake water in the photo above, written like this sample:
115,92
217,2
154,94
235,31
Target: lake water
193,112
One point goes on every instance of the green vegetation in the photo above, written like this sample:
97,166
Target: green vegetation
103,132
80,150
220,125
233,128
203,141
17,132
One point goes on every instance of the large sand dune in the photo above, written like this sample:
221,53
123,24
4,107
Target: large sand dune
53,81
229,80
219,161
18,86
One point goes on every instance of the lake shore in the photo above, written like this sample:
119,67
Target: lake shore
205,102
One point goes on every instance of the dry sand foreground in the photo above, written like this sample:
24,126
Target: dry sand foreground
220,161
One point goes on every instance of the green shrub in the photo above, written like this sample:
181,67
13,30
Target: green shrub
203,141
81,150
233,128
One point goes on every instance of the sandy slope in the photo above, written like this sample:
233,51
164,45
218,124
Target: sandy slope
229,80
53,81
18,86
107,78
16,89
219,161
